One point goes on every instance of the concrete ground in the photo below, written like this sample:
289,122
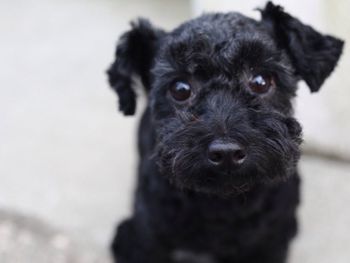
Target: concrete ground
67,157
324,214
25,239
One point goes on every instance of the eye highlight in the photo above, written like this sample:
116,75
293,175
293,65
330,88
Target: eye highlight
181,90
261,83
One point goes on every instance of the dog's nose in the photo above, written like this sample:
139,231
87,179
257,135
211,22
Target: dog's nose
220,153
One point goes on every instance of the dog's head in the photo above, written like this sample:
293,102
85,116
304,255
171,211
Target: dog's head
220,90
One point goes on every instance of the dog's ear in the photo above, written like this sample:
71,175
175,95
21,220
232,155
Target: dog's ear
134,57
313,55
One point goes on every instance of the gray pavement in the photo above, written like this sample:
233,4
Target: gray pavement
24,239
324,213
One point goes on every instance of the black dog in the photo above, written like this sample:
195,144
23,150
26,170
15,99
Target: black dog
218,143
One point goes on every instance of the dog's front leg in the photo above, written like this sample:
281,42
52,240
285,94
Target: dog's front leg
132,244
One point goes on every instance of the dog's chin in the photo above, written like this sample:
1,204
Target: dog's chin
223,190
203,180
224,183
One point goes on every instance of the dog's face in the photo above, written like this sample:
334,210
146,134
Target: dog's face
220,90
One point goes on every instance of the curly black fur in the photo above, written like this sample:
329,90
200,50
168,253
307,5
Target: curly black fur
186,209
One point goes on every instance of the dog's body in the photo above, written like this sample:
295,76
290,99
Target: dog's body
218,143
254,227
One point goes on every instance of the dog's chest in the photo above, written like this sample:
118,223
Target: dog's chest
192,220
206,223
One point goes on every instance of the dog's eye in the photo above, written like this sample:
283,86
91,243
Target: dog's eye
180,90
261,84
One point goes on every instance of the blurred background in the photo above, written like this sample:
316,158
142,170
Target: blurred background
67,157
